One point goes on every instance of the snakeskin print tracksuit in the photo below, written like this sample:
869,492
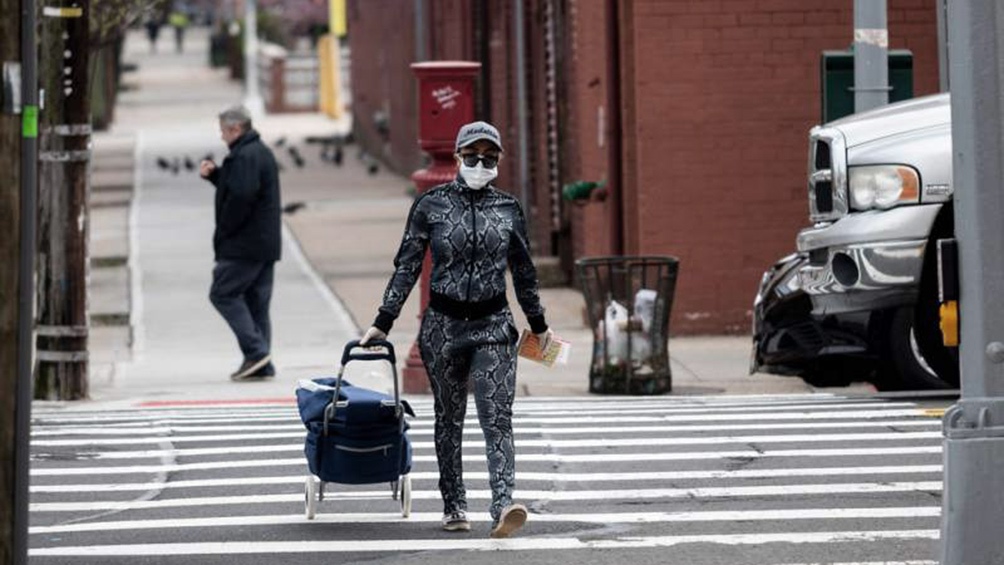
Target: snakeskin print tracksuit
468,331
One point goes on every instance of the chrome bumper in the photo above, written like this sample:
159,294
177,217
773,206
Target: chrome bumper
866,261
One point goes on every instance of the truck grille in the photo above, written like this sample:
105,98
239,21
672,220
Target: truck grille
827,175
824,196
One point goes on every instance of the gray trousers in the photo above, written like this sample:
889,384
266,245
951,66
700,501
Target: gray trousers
241,292
484,352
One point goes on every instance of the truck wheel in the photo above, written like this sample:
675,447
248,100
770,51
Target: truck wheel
914,361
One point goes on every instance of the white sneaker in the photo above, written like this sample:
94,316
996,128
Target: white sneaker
512,519
456,522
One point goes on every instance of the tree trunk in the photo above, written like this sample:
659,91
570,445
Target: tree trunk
63,217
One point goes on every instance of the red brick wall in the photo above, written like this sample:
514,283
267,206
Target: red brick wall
587,127
720,97
382,80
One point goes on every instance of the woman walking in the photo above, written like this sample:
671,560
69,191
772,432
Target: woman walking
476,233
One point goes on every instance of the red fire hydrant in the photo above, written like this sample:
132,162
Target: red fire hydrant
445,102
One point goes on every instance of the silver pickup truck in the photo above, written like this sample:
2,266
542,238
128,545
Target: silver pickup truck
858,300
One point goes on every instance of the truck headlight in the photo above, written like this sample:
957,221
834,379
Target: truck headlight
883,186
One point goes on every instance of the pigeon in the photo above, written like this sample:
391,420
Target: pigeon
293,207
297,158
189,163
163,163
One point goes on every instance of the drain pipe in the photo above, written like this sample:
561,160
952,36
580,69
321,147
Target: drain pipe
521,125
420,54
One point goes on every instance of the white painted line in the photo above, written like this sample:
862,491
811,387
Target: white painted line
136,305
527,476
62,431
912,562
469,544
342,315
435,517
605,458
427,420
566,495
425,412
536,402
558,443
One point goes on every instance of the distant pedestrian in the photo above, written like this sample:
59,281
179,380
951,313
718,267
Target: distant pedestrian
152,26
247,241
179,20
476,233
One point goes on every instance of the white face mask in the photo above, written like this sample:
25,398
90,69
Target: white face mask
477,177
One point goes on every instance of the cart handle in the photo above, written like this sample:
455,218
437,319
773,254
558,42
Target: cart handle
389,355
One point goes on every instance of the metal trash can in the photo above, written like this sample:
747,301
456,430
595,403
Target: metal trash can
629,300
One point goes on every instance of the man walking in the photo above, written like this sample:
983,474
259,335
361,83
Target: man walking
247,240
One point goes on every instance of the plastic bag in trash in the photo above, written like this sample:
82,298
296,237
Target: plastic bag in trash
644,308
613,330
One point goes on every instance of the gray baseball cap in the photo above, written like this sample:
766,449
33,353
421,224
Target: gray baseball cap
476,131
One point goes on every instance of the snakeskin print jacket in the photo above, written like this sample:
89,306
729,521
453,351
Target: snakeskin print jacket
474,235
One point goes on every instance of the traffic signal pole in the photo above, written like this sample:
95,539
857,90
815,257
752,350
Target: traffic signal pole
973,505
871,55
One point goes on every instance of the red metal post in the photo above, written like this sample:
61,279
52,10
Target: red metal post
445,102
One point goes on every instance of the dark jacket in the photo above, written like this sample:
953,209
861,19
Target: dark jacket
475,237
248,206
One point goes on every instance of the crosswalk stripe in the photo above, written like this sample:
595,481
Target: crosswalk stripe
565,495
58,431
529,403
474,445
874,437
750,454
521,476
427,413
470,544
434,517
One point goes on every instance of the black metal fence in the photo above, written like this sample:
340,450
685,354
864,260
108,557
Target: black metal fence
629,300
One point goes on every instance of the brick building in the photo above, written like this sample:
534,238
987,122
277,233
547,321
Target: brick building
695,113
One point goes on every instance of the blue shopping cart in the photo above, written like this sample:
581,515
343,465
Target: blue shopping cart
355,435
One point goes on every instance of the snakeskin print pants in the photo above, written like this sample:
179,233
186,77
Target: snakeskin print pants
482,352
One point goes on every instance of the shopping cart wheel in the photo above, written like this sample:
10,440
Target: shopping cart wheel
393,490
406,496
310,497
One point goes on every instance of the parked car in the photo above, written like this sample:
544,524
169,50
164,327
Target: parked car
859,298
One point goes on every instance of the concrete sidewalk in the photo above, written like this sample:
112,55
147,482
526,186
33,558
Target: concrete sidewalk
348,230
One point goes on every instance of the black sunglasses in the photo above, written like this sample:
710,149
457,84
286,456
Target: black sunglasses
471,160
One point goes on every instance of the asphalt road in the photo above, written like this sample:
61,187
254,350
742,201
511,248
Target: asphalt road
760,480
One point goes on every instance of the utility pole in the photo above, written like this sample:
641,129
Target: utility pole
63,218
252,90
10,203
871,55
973,505
18,158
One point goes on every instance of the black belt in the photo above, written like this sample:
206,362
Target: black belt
463,310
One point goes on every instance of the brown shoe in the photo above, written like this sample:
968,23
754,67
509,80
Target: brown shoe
512,519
